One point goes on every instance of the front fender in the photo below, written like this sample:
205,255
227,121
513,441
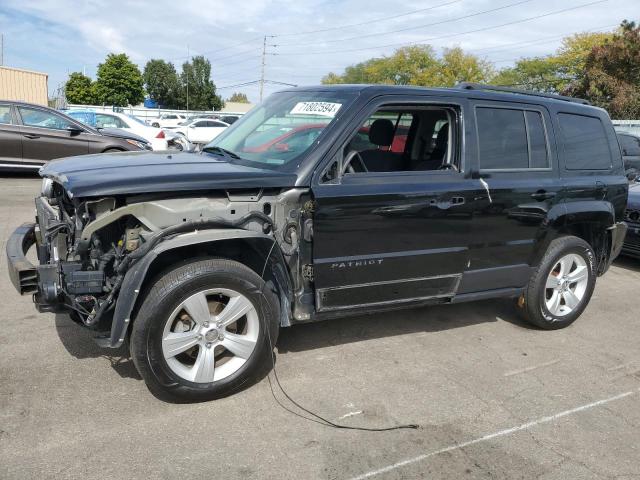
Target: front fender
273,270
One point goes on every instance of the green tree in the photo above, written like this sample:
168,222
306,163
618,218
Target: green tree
539,74
79,89
161,81
553,73
416,65
119,81
612,74
201,90
457,66
238,97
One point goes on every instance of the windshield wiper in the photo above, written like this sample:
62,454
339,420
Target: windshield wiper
221,151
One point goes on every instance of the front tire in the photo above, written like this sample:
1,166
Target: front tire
204,331
561,287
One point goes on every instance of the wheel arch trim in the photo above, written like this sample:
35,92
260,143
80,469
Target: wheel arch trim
274,271
574,218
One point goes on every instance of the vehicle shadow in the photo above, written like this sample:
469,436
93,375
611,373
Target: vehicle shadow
78,341
629,263
359,328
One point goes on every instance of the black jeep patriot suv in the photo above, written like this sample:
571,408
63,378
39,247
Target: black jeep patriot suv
322,202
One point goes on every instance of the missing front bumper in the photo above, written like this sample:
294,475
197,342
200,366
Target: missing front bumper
23,274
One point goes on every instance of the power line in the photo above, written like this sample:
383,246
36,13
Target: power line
232,75
484,29
218,65
406,29
257,82
501,47
222,48
383,19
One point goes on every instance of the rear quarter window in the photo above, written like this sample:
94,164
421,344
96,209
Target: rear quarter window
584,142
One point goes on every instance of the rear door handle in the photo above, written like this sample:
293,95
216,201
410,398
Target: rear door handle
542,195
31,135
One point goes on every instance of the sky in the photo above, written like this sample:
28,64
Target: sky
306,39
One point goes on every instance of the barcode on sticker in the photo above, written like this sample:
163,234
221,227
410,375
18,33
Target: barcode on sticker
326,109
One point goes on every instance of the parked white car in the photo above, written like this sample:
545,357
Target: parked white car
167,120
132,124
155,136
201,130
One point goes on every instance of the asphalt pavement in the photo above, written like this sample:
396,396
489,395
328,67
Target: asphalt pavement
494,398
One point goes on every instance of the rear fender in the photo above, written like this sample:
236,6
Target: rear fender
266,260
591,220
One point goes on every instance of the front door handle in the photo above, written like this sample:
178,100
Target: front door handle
31,135
542,195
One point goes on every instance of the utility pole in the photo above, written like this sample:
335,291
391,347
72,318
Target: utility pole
188,57
264,54
1,48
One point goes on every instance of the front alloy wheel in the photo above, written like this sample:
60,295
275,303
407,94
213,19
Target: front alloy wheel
205,330
210,335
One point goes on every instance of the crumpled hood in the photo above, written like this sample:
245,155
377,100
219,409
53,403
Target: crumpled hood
146,172
634,196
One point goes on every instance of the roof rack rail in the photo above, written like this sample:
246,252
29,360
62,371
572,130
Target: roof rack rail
497,88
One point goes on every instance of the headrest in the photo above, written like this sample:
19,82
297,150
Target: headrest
381,132
443,134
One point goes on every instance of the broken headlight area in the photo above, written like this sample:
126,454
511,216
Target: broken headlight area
75,274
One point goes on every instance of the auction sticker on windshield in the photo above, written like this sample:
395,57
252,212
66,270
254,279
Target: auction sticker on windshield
326,109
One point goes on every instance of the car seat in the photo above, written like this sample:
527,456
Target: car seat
376,160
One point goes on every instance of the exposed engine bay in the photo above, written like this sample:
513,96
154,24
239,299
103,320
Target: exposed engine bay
86,247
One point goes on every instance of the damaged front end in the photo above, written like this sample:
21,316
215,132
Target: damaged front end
86,247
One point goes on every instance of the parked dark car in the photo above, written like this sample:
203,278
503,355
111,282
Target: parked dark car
30,135
199,259
630,145
631,246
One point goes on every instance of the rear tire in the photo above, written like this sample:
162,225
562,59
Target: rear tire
189,306
560,289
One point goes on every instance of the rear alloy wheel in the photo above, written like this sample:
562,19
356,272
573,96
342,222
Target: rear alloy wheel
562,285
566,285
205,330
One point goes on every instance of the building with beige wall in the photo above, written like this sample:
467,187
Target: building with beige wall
23,85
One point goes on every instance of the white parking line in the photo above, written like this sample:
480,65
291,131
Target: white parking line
533,367
491,436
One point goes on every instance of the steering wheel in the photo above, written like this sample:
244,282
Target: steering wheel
350,167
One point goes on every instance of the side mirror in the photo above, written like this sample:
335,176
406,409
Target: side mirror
73,130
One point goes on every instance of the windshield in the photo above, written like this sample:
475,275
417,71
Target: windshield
282,129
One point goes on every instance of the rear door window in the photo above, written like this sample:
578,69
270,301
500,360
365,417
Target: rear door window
502,138
585,142
512,139
539,155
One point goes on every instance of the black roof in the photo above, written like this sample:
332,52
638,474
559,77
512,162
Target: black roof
478,91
